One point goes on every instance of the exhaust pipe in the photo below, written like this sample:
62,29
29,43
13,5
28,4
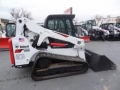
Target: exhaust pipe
99,62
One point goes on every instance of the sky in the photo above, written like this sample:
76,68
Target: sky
83,9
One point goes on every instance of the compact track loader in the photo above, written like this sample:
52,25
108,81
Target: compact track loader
50,52
95,32
114,31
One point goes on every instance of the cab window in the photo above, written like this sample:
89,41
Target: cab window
69,28
51,24
11,29
62,25
56,25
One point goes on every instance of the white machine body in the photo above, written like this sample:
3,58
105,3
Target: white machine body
23,51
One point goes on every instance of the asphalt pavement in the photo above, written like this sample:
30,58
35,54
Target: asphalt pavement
19,79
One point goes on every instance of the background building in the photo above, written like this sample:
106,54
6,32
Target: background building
108,19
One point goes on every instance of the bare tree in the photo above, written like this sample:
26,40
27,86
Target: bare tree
17,13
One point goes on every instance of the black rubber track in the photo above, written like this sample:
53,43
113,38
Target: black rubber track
67,66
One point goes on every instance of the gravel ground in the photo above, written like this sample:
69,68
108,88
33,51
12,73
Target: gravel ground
19,79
